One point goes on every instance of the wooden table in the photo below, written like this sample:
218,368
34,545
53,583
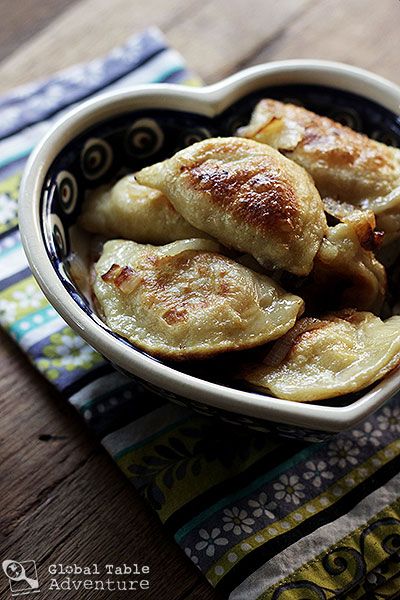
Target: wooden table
62,498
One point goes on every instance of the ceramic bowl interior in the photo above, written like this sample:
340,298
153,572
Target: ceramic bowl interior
116,145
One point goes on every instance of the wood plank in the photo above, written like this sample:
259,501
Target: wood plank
63,500
85,520
205,33
364,33
219,35
87,30
22,20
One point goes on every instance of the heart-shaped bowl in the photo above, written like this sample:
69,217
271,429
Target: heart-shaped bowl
122,131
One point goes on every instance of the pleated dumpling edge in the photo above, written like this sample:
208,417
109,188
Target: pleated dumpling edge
186,300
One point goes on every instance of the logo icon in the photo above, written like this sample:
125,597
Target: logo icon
22,576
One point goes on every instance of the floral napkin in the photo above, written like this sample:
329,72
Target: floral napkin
261,518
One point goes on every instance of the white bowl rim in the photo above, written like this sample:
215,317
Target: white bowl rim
210,101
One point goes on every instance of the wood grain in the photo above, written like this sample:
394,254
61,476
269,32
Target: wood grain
220,35
217,37
21,20
206,33
62,498
85,31
364,33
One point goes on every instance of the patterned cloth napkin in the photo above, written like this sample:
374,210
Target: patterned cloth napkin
259,517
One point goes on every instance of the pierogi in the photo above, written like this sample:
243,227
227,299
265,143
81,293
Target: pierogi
322,358
215,233
345,165
247,196
186,300
347,272
134,212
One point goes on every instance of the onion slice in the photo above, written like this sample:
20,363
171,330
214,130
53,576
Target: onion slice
124,278
283,345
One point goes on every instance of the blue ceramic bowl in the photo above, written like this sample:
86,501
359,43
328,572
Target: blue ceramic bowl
121,132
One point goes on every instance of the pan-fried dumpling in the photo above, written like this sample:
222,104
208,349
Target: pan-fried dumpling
345,165
345,274
186,300
134,212
322,358
362,221
246,195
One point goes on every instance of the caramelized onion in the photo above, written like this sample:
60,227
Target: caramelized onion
362,221
111,273
124,278
282,346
